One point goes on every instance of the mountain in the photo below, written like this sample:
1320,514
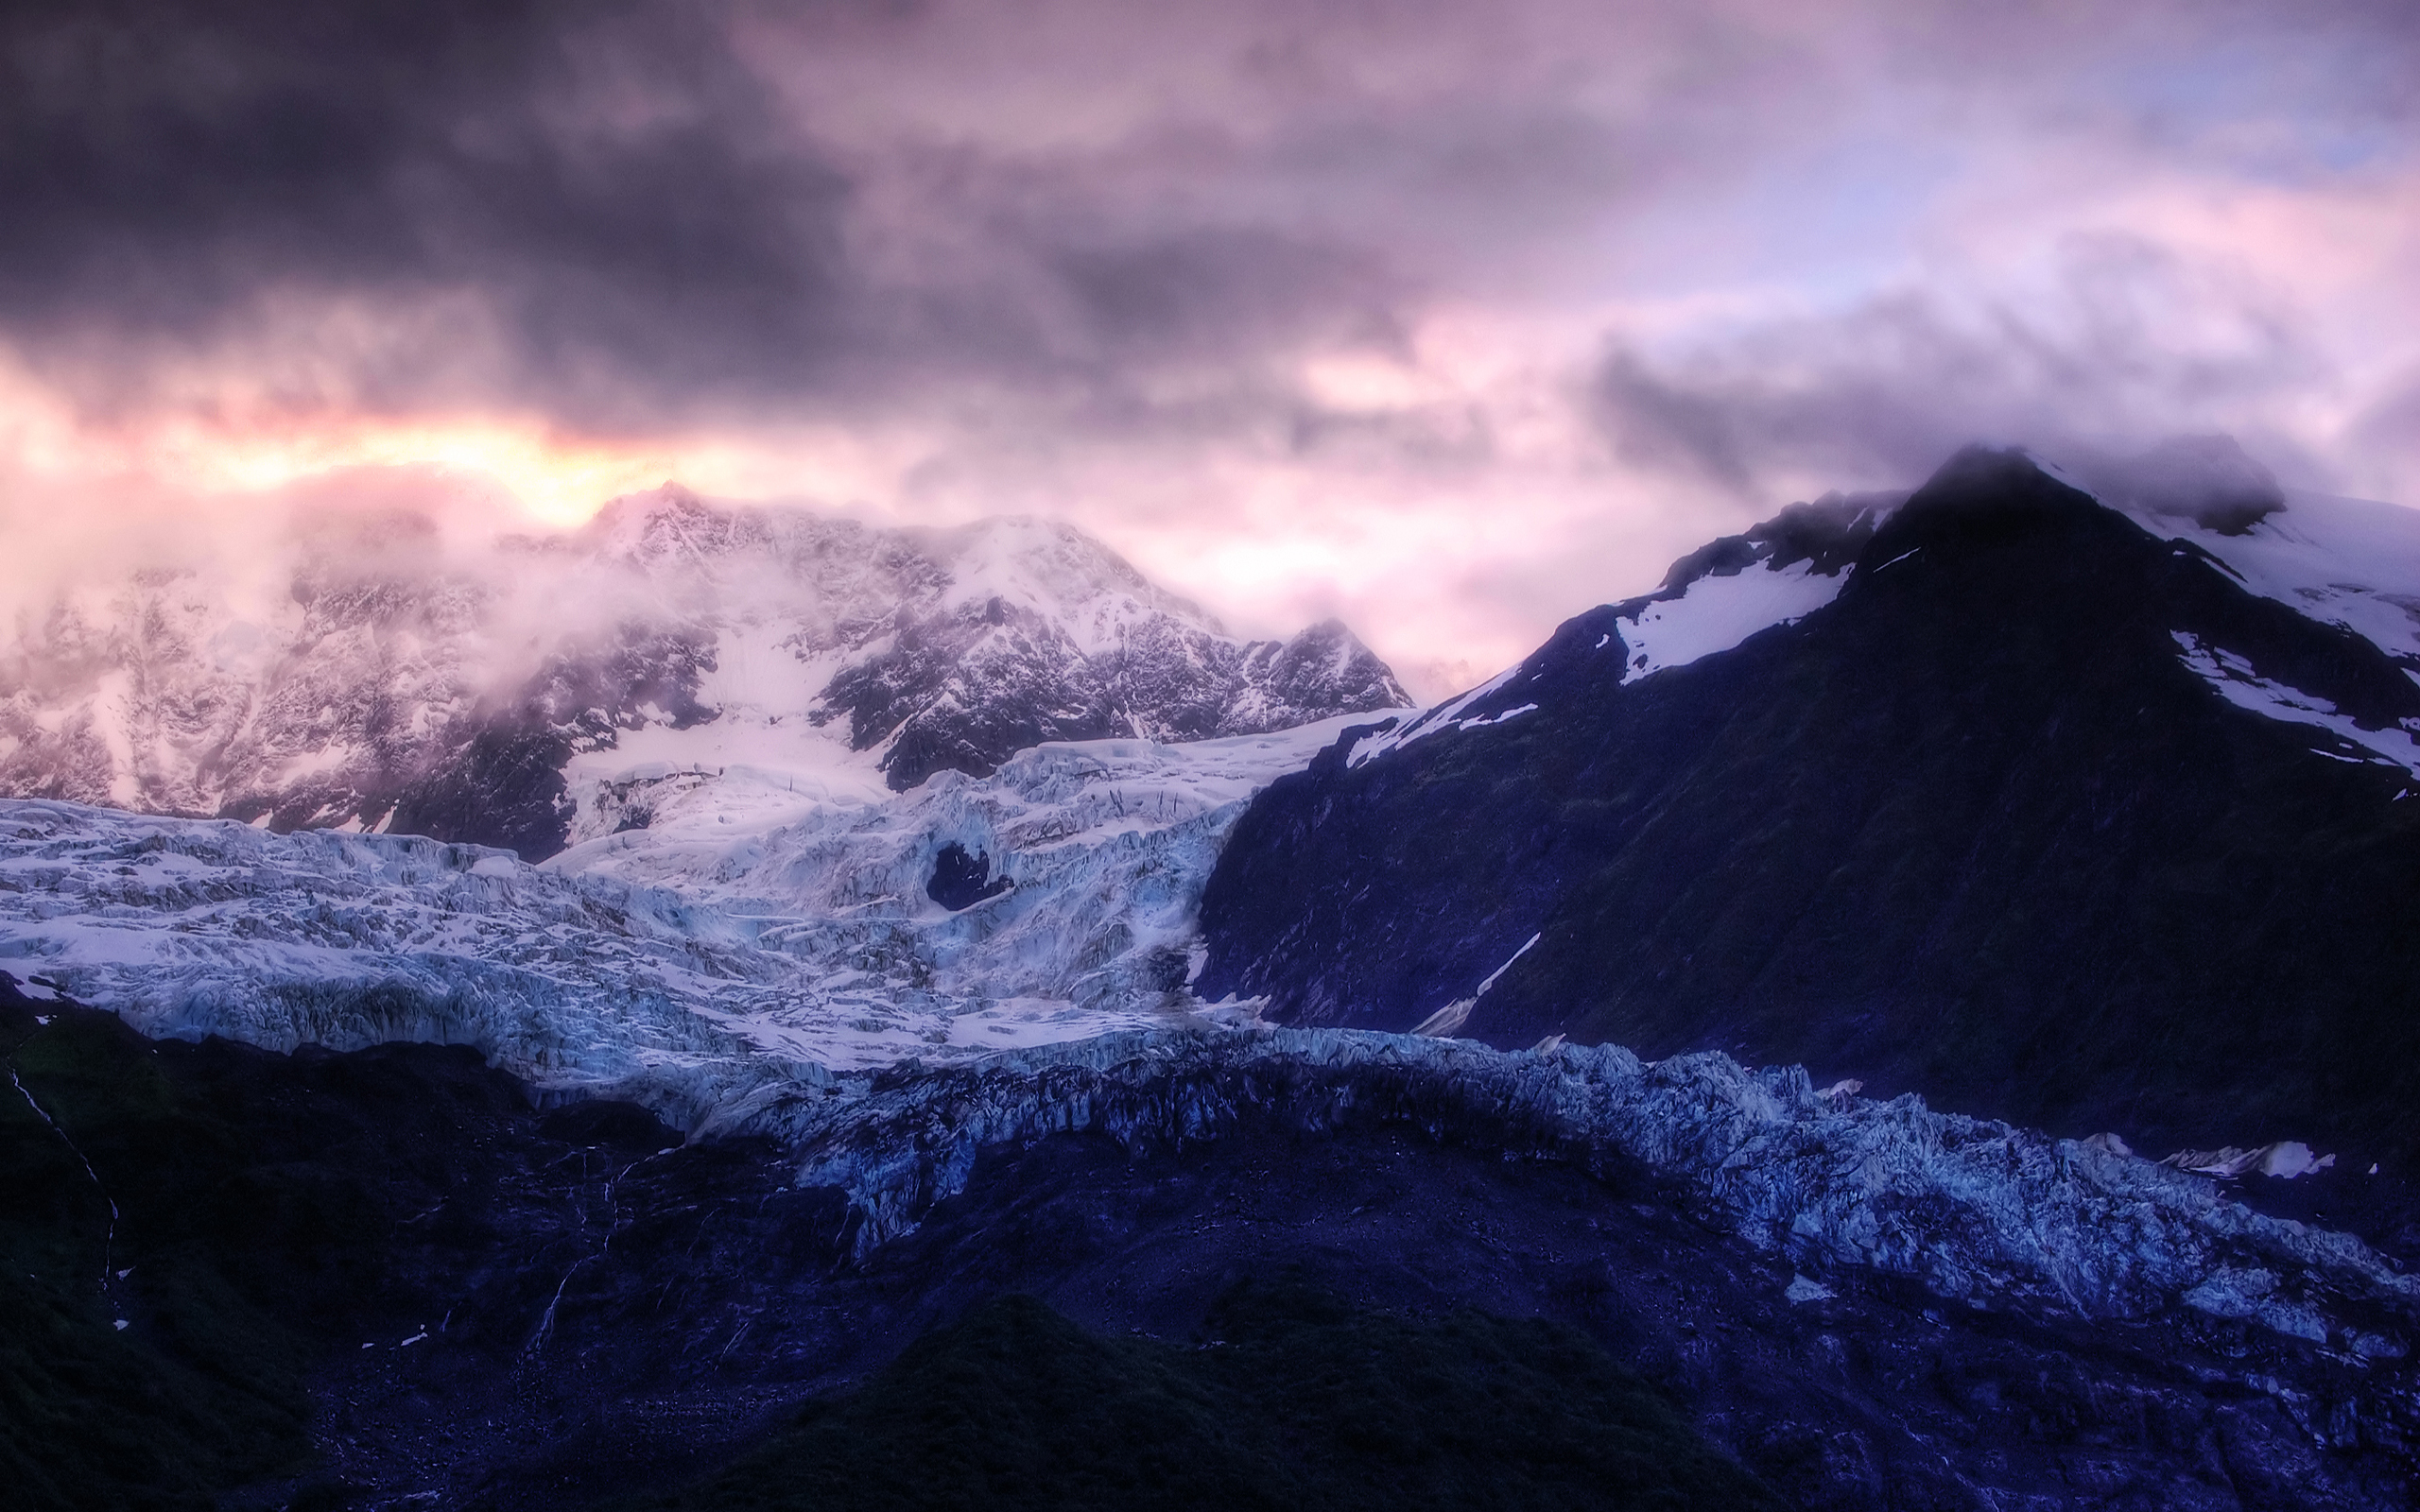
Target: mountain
492,697
2088,820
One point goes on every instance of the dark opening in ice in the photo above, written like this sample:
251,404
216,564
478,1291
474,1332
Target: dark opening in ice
961,881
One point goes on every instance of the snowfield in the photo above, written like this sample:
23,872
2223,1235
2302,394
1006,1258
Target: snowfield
1717,612
2347,561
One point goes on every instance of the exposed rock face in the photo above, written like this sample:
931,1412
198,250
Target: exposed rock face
1825,534
2025,806
962,689
394,685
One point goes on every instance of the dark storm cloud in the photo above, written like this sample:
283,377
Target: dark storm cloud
1366,306
603,179
624,211
602,208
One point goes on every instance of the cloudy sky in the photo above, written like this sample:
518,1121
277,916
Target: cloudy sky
1450,318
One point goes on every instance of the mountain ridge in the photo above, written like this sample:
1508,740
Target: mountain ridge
396,687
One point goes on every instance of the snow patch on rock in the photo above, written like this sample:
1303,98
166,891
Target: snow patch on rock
2351,562
1717,612
2239,684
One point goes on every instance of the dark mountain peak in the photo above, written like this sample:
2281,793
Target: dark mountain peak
2034,811
1984,503
1988,492
1827,532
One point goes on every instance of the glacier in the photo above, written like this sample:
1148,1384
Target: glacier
795,981
741,934
1974,1210
749,938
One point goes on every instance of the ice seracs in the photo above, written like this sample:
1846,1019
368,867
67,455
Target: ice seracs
1970,1209
2287,1159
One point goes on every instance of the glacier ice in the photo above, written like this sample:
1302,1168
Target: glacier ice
1972,1209
793,980
685,965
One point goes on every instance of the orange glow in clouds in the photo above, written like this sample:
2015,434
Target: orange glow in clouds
536,473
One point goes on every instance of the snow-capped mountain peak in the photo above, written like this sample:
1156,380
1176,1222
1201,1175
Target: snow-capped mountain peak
497,694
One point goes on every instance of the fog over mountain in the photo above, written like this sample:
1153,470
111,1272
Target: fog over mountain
512,695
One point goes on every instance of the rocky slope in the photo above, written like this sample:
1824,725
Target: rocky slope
401,1278
1998,795
390,683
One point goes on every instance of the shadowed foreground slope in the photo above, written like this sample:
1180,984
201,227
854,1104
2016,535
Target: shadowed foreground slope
354,1279
1292,1398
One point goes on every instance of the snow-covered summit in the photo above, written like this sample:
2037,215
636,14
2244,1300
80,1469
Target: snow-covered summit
496,694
